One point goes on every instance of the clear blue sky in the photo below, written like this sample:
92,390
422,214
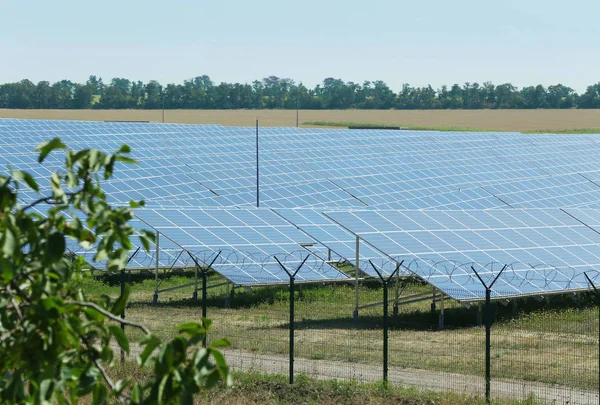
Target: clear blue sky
418,42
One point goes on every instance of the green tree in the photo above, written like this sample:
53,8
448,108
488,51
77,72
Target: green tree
55,341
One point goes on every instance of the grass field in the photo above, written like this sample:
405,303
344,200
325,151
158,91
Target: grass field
504,120
256,388
551,345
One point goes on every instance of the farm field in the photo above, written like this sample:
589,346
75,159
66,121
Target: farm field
500,120
550,345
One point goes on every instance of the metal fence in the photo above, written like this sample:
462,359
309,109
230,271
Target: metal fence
546,348
543,348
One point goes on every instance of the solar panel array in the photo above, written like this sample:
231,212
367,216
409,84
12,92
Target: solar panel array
412,195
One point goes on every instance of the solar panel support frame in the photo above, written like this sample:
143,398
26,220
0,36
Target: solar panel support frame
155,297
356,263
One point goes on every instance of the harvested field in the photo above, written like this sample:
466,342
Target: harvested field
504,120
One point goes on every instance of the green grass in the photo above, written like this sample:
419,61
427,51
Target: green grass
552,345
565,131
257,388
447,129
378,125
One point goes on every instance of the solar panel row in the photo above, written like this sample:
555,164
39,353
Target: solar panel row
185,169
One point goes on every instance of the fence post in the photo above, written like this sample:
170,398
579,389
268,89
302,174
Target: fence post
123,292
123,311
598,307
292,277
385,282
488,332
155,298
488,343
291,351
204,273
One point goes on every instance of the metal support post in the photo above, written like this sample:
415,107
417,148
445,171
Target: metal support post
292,301
227,300
195,294
433,300
515,308
395,309
204,271
488,332
257,170
488,344
598,306
123,311
441,318
355,314
479,315
155,299
385,282
204,274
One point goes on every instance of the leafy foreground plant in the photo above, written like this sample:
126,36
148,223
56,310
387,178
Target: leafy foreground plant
55,342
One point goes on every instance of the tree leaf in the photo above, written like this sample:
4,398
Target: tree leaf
47,147
120,337
56,246
220,343
191,329
27,178
121,302
124,149
150,343
10,243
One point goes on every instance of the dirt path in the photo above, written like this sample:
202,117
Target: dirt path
426,380
421,379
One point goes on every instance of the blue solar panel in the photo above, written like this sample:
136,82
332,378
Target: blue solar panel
546,250
249,241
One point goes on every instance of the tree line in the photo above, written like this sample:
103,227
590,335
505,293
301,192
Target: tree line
284,93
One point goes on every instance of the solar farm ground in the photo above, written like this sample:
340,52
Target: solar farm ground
501,120
541,345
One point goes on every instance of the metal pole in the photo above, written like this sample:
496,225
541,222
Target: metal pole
488,344
257,170
441,318
386,283
155,300
292,300
195,295
488,330
123,311
204,302
395,310
598,305
292,277
356,280
385,331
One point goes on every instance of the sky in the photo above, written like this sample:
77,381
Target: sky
524,42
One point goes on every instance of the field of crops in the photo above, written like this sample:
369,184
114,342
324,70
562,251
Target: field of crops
504,120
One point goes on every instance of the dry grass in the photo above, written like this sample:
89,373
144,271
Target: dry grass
506,120
548,346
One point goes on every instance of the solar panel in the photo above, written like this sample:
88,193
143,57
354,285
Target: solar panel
335,240
248,242
547,250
